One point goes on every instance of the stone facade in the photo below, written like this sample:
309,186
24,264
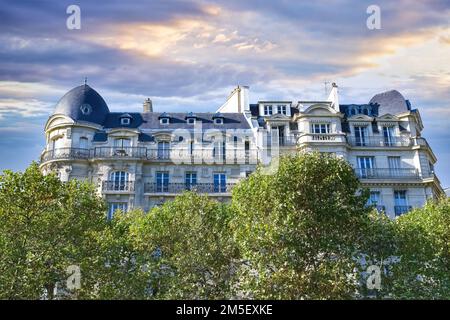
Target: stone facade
144,159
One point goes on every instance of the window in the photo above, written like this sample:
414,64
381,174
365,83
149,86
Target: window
374,198
164,120
83,143
125,121
219,149
281,109
401,204
191,148
361,136
388,133
114,206
321,128
191,120
218,121
162,182
394,166
365,165
190,180
268,110
220,184
119,181
163,150
122,143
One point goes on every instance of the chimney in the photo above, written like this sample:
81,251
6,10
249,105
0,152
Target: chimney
148,106
334,97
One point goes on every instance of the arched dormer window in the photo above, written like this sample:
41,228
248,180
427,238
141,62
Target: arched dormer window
164,118
218,118
125,119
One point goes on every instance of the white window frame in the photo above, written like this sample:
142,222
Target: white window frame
164,121
125,121
321,128
268,110
282,109
114,206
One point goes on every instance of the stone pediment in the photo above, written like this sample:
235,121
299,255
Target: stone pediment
360,117
387,117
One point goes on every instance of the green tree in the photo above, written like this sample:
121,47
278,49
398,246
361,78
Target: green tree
193,247
299,230
423,269
45,226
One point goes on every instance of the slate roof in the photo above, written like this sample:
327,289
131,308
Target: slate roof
391,102
70,105
150,120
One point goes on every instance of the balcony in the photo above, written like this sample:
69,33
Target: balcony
283,141
120,152
386,173
322,138
373,141
202,155
65,153
399,210
118,186
176,188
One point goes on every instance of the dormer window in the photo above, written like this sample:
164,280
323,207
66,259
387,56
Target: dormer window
125,119
218,118
190,118
164,118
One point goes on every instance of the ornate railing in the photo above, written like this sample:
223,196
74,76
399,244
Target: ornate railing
373,141
321,137
176,155
120,152
399,210
386,173
126,186
181,187
65,153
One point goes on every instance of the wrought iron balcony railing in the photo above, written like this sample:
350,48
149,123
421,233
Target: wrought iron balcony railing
373,141
321,137
181,187
120,152
389,173
197,155
399,210
65,153
125,186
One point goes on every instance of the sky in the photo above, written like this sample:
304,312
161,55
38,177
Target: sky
189,55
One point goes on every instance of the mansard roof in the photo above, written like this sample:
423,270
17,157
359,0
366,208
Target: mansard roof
150,120
391,102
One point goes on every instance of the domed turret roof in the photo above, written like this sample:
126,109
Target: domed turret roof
391,102
83,103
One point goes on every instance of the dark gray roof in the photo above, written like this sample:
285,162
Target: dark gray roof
150,120
70,105
100,136
390,102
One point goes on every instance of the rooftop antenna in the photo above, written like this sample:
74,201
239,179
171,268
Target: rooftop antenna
85,80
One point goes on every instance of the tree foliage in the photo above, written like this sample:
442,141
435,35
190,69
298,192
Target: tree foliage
304,232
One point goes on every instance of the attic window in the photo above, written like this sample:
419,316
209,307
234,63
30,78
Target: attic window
164,120
218,120
125,121
191,120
